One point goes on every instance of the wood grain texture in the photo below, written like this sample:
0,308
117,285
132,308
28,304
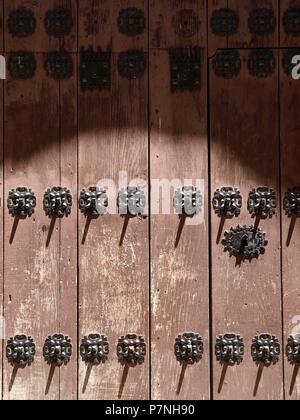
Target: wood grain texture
2,207
246,296
288,40
40,41
215,41
290,154
177,23
98,24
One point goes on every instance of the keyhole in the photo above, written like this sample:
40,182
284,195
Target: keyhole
244,242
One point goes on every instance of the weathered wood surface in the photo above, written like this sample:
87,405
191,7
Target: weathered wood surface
246,295
2,201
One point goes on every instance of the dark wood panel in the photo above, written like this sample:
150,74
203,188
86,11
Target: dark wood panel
246,295
287,38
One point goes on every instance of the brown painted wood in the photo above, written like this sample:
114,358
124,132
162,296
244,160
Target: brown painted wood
289,103
40,41
246,296
179,254
113,274
98,24
243,37
2,204
177,23
287,40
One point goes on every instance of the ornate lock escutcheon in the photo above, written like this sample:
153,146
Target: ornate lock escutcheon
94,349
186,23
93,201
131,201
58,202
131,349
185,65
21,23
245,241
229,349
95,69
262,202
293,349
265,349
59,65
227,64
287,57
224,22
261,63
227,202
131,21
57,349
58,22
188,348
262,22
188,201
291,21
20,350
132,64
21,202
21,65
291,202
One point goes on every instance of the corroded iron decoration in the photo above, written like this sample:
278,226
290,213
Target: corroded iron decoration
131,201
188,201
131,21
186,23
57,202
131,349
185,65
245,241
262,202
95,69
58,22
291,21
265,349
229,349
188,348
93,201
21,23
227,201
21,65
132,64
59,65
227,64
224,22
293,349
291,202
94,349
57,349
262,21
20,350
21,202
261,63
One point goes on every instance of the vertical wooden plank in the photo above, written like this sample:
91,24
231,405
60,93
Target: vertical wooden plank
246,295
288,36
179,254
2,324
113,274
40,40
215,40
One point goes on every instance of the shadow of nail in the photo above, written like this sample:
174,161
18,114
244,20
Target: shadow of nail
291,230
179,230
222,378
13,377
51,229
293,380
50,378
124,229
181,378
123,380
87,377
258,379
14,229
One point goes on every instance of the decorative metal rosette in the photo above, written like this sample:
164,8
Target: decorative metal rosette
185,66
262,202
293,349
21,202
132,64
188,201
291,202
131,349
265,349
262,21
188,348
20,350
291,21
186,23
21,65
131,21
93,201
57,349
94,348
224,22
227,64
131,201
58,202
245,241
95,69
227,201
59,65
229,348
261,63
21,22
58,22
